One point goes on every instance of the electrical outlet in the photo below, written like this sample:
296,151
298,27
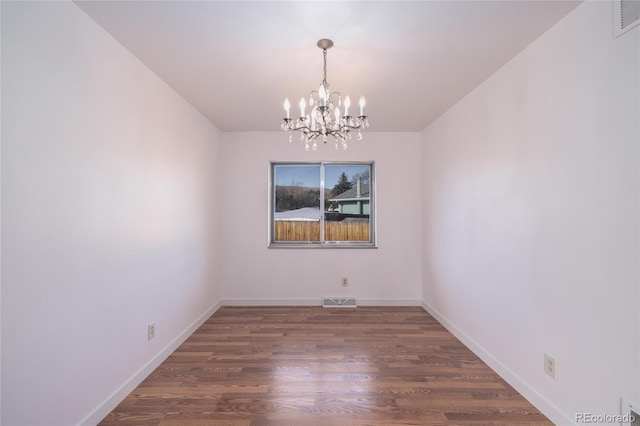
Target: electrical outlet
345,282
151,331
550,366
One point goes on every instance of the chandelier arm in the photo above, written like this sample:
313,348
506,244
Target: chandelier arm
339,136
290,126
305,129
312,136
349,127
357,126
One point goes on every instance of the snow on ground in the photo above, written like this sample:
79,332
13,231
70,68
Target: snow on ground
303,214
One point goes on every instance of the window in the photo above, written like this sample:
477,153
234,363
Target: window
322,205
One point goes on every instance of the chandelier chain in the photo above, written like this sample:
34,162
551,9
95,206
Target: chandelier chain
324,54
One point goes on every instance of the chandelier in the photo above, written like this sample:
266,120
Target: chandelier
325,118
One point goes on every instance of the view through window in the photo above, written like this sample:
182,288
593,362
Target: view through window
322,204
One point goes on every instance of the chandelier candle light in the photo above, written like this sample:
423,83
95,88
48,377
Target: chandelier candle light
324,117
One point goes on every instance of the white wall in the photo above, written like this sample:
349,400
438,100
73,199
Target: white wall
256,274
531,195
108,218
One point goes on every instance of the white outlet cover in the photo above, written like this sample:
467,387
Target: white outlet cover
551,366
151,331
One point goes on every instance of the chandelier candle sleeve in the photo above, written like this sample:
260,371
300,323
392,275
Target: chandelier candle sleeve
324,117
323,96
302,105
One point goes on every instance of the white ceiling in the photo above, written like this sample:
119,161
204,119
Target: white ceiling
236,61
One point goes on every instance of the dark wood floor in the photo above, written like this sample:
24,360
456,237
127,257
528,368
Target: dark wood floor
315,366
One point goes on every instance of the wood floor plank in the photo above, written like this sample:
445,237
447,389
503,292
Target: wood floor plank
249,366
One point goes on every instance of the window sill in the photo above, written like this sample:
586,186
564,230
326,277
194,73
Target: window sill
334,245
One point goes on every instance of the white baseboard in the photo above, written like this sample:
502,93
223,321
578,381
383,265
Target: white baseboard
318,302
541,403
101,411
271,302
388,302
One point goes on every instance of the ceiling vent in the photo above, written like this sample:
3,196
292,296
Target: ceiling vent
626,15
